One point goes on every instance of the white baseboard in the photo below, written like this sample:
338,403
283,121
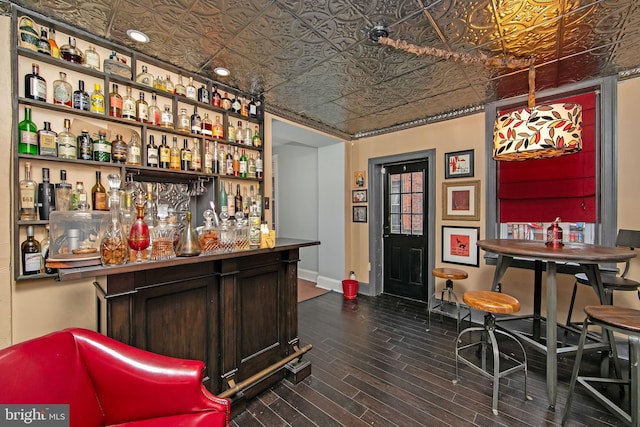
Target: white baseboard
311,276
329,283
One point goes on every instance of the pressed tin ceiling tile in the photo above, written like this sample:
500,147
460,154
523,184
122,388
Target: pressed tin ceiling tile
314,62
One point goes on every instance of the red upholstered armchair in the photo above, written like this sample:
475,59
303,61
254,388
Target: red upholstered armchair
108,383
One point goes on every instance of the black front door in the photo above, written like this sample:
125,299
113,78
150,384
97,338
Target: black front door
404,239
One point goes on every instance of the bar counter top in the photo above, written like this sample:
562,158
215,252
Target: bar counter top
99,270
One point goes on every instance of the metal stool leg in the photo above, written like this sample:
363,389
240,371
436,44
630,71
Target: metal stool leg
572,303
634,378
574,374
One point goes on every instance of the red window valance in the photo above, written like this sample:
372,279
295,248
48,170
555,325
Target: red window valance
565,187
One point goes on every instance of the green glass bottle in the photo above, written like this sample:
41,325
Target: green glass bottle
27,135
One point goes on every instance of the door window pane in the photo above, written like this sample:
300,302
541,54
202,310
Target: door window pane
406,199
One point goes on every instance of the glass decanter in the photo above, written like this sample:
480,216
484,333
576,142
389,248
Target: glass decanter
162,237
208,234
188,244
114,249
139,237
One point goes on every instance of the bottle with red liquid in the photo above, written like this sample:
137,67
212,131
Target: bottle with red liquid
139,237
554,235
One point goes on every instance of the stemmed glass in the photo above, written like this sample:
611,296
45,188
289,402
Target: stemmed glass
139,238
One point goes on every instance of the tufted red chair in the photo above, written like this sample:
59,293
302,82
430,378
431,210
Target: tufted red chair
108,383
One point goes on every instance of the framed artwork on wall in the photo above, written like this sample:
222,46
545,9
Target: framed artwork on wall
459,245
458,164
461,200
360,179
359,214
359,196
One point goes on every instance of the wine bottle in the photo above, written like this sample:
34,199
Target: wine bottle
99,195
165,154
185,156
152,153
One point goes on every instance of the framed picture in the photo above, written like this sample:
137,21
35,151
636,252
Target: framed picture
458,164
459,245
359,196
360,179
461,200
359,214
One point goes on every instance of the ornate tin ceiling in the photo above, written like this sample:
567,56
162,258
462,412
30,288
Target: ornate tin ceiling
316,65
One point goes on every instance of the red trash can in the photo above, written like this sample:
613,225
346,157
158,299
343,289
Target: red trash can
350,288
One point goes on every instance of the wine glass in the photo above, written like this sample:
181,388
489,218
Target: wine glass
139,238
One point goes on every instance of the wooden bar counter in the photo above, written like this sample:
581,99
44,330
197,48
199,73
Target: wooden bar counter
237,312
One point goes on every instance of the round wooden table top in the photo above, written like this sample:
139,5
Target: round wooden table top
491,302
449,273
620,317
576,252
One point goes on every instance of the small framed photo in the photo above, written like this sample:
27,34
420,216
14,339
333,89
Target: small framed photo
458,164
459,245
360,179
359,214
359,196
461,200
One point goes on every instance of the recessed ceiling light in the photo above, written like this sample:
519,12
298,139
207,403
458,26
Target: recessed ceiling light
221,71
138,36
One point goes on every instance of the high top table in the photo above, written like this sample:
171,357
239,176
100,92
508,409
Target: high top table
586,256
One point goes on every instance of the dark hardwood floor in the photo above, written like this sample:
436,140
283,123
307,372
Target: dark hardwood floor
374,364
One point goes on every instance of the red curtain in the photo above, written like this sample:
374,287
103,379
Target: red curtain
565,187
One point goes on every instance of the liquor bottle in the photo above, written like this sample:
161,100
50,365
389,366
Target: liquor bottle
223,198
128,106
242,167
85,146
231,132
158,83
43,42
190,90
252,109
256,141
254,228
196,122
184,121
248,135
251,167
91,58
144,77
239,133
259,166
174,156
67,143
207,126
63,192
35,87
216,99
119,150
166,118
185,156
62,91
79,201
231,201
216,166
28,195
139,237
115,102
142,109
246,202
236,105
114,248
218,129
207,158
203,94
229,162
97,100
53,46
31,256
81,99
69,52
168,85
134,151
152,153
259,111
236,162
238,198
154,111
244,110
99,195
225,102
46,196
44,247
196,157
165,154
27,135
102,148
179,88
47,140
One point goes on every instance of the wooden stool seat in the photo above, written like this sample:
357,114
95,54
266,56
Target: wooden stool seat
626,319
449,273
491,302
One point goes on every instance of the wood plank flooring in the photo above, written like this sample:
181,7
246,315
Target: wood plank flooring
374,364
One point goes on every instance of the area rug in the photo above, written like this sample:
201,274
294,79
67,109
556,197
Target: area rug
308,290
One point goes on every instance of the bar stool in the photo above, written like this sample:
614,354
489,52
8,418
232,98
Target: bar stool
625,321
491,303
450,274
